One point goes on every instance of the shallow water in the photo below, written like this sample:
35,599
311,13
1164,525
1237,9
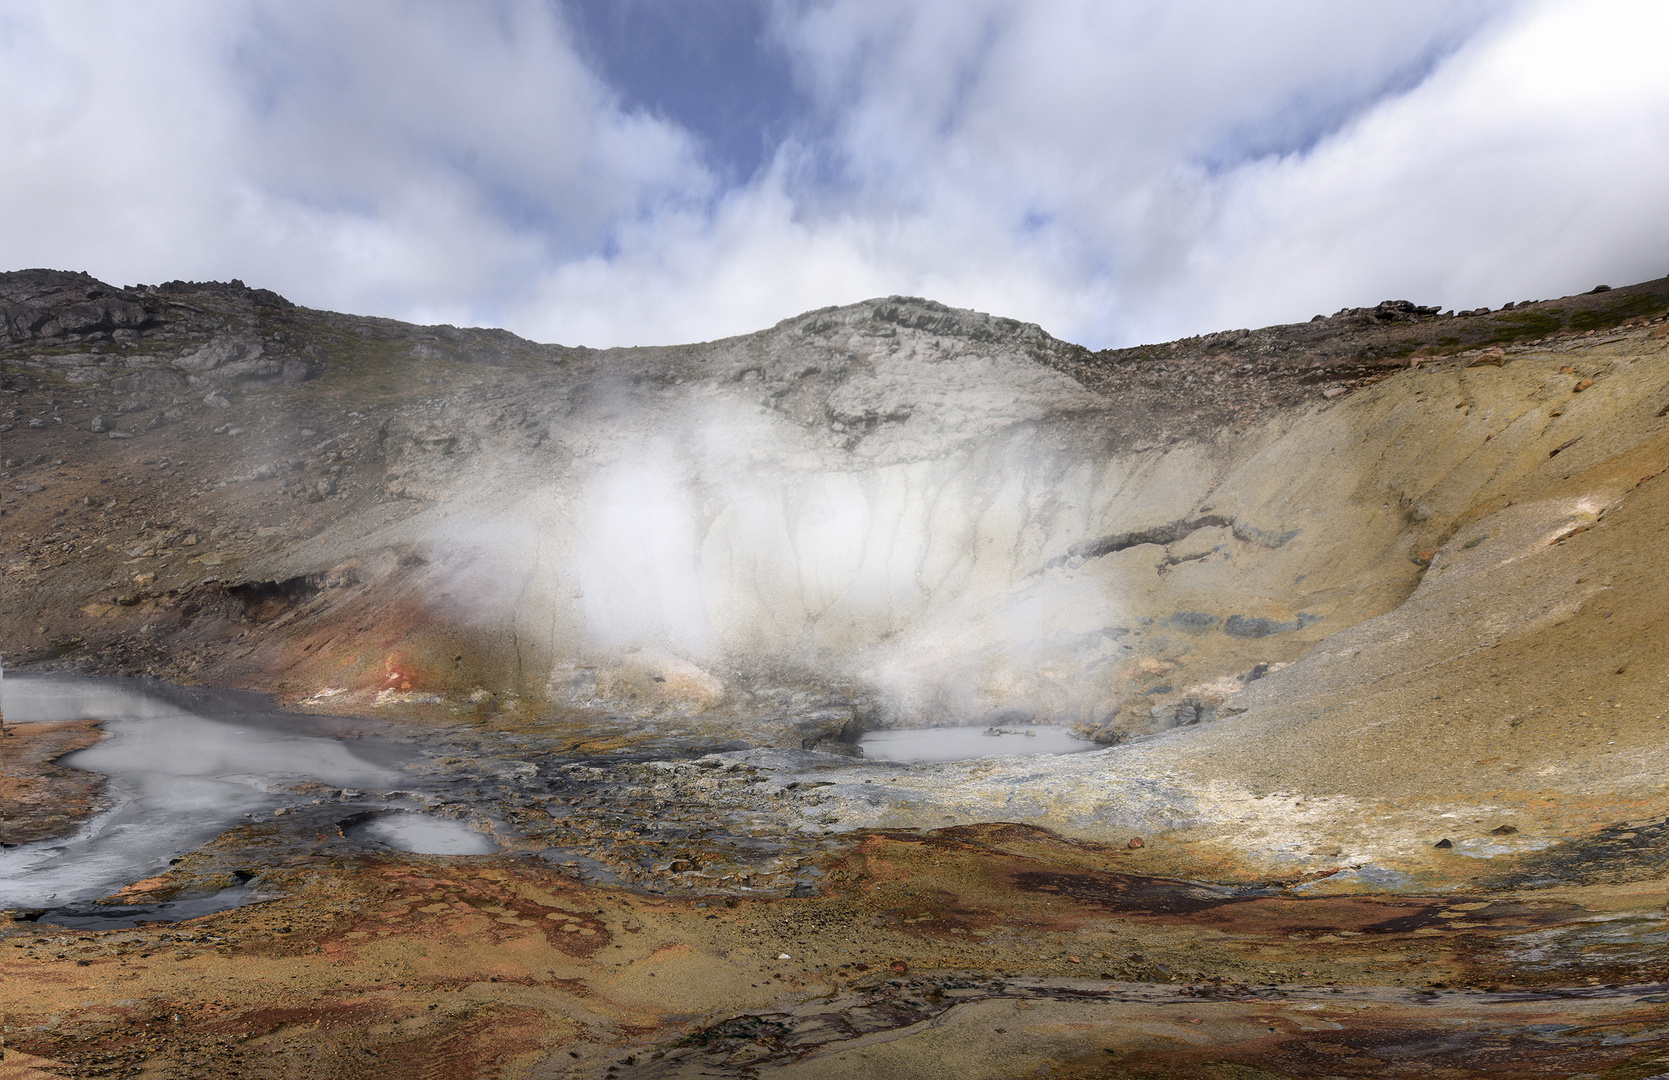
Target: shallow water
183,767
422,834
963,743
124,916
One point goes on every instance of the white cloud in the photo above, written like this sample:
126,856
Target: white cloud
377,157
1534,164
1117,172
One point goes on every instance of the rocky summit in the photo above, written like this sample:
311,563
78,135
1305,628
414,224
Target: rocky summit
1358,621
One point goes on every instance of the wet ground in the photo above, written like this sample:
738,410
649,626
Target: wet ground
496,904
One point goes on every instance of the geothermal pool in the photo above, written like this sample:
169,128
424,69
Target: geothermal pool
928,745
422,834
183,766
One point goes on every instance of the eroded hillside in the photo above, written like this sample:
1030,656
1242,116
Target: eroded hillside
1349,558
1366,612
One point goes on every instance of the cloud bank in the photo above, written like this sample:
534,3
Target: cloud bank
635,173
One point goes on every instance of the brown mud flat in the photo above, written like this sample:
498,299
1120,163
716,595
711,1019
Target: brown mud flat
40,798
969,952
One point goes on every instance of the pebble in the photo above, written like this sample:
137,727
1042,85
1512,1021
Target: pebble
1136,842
1444,843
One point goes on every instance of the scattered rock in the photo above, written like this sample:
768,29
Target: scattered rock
221,352
1503,830
216,399
101,424
1444,843
1136,842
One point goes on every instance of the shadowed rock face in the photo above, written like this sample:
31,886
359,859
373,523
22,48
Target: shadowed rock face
1302,552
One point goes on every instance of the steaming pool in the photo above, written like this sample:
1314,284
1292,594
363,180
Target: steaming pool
421,834
930,745
183,766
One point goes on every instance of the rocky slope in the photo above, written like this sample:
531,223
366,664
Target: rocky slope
1381,558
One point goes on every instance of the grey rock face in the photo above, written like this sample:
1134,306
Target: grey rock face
52,308
54,303
220,352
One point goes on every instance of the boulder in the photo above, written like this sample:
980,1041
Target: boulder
221,352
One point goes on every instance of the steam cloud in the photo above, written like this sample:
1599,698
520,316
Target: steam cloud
706,534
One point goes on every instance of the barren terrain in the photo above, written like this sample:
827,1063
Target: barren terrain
1365,612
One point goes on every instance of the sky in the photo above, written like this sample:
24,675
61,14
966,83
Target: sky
619,172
